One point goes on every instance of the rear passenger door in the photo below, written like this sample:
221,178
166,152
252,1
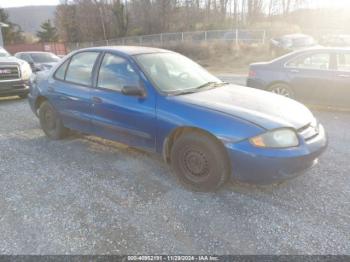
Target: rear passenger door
341,93
70,90
311,77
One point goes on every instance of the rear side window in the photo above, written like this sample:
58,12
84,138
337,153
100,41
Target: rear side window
343,62
80,68
315,61
61,71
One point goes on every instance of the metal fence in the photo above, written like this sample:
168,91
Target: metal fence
236,36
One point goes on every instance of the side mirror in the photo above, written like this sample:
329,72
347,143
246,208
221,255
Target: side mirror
134,91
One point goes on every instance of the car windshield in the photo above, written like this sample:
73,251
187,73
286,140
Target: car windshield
4,53
44,58
173,73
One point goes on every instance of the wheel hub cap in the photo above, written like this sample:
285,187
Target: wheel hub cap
281,91
196,163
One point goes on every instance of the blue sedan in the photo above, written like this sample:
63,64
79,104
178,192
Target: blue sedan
163,102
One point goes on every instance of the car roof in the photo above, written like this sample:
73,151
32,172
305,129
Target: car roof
128,50
309,50
324,49
296,36
34,52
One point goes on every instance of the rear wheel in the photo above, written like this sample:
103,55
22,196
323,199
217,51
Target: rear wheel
282,89
50,122
200,162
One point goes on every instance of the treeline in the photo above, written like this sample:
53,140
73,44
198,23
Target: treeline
90,20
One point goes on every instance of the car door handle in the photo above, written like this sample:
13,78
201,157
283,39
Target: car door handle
96,100
344,76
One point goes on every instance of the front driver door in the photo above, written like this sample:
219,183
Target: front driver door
128,119
311,77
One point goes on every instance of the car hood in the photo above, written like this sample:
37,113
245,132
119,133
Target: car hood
10,60
262,108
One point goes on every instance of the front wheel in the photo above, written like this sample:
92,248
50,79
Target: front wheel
282,89
50,122
200,162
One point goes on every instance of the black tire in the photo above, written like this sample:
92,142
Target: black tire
200,162
24,96
50,122
282,89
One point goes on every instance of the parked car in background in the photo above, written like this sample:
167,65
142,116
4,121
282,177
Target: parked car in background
14,75
336,40
163,102
290,43
316,76
39,61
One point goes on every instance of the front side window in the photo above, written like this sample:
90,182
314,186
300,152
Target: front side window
81,67
115,73
343,62
172,72
315,61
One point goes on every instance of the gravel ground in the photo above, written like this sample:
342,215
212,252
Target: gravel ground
86,195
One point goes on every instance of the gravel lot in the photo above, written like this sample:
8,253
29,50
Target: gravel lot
86,195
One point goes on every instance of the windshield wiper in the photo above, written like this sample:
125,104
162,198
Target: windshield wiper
194,90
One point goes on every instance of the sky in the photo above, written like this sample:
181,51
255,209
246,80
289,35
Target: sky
16,3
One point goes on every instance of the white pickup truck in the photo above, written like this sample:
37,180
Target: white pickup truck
14,75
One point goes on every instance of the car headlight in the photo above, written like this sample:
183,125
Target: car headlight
26,71
279,138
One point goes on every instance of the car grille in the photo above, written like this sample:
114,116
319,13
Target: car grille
9,73
309,131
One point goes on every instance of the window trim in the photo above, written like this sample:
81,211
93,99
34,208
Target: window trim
69,59
98,68
65,71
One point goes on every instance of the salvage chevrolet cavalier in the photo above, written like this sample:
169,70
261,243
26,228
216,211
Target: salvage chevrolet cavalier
161,101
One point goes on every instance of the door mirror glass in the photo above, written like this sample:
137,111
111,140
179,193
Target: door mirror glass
134,90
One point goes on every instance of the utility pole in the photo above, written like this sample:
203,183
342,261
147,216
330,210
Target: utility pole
103,25
1,36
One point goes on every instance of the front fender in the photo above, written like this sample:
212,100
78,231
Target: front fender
173,114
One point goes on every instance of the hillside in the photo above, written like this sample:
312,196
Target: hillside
31,17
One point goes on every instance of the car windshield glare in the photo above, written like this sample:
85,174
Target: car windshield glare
174,73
